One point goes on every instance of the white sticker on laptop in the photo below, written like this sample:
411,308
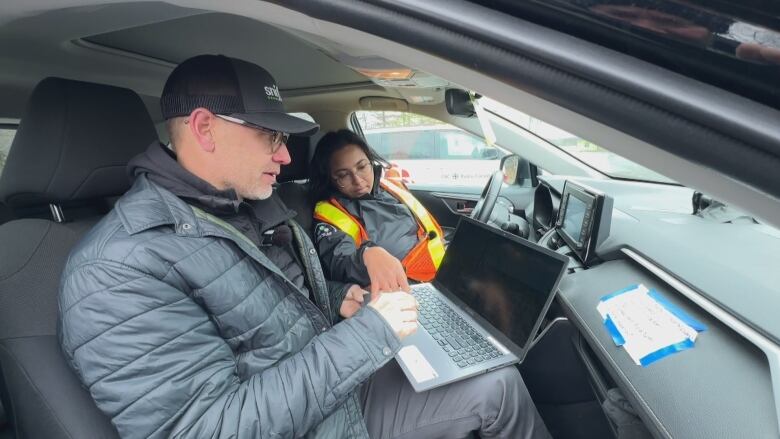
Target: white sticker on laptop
414,360
498,346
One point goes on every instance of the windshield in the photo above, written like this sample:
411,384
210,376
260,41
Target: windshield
593,155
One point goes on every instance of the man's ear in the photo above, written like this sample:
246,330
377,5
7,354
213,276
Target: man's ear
201,124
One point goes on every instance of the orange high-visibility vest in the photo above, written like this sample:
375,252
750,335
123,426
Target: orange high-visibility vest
423,259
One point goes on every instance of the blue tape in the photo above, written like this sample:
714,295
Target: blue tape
679,313
665,352
614,332
619,292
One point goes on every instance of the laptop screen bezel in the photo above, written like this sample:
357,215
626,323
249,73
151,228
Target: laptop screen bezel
519,351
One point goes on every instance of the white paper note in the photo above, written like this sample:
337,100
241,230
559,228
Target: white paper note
645,325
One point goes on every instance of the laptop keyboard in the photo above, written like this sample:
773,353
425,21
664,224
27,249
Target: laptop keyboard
460,341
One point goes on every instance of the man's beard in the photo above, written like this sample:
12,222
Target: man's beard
251,191
258,193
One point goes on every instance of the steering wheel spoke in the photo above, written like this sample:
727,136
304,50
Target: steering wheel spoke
487,201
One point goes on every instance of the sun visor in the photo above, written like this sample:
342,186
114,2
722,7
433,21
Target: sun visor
378,103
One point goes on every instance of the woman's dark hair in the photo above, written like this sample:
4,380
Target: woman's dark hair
320,185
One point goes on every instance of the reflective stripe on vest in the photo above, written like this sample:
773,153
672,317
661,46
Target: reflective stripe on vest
432,230
333,213
423,259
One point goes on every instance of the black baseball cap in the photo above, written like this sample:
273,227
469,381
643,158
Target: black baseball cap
230,87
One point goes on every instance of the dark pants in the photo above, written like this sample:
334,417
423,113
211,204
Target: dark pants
496,405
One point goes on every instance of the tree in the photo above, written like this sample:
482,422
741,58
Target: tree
371,120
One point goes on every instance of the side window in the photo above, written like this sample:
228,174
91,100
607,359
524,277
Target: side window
459,145
7,134
431,151
377,141
419,144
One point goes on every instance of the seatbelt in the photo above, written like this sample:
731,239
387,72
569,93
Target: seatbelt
423,259
433,235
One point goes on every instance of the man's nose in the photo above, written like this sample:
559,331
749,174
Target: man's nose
282,155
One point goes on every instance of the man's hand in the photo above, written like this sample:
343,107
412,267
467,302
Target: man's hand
400,311
353,300
385,271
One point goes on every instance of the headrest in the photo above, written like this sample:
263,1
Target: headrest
298,169
73,143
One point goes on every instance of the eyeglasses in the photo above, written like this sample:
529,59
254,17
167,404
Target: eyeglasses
363,170
278,138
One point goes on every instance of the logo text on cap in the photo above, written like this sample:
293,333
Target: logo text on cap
272,93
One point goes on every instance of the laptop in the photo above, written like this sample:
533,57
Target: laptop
484,307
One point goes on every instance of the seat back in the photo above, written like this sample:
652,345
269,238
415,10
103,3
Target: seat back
294,178
5,213
68,159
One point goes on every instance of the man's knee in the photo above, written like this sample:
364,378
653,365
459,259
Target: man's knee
515,413
509,382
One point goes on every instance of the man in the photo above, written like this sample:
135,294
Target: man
197,308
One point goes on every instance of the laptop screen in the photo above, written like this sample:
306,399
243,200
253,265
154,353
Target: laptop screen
501,277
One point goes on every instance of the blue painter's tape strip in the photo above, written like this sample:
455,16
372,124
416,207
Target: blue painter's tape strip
619,292
677,311
665,352
613,331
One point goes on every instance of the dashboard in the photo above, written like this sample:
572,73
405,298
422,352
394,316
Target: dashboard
724,274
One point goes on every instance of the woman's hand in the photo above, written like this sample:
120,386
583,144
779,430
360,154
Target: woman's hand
385,271
353,300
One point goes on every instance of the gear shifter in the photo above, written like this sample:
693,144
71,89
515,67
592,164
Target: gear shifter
520,227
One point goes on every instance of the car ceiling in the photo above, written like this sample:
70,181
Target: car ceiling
239,37
137,47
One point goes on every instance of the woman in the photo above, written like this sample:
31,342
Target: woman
368,229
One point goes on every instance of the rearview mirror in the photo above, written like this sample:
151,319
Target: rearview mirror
459,103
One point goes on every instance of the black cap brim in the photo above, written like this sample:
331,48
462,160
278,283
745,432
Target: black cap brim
279,122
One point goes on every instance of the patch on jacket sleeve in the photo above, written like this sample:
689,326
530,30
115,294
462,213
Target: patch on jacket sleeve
323,231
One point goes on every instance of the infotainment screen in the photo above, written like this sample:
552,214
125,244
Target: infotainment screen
572,221
583,219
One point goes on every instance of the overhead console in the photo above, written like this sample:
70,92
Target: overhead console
584,219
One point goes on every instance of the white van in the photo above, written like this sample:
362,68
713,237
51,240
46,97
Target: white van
437,154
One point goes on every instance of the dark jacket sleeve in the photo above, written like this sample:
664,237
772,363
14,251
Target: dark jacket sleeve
337,291
154,361
341,259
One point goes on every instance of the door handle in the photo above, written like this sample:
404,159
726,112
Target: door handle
463,208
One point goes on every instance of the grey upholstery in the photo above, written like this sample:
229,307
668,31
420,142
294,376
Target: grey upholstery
73,143
71,149
5,216
301,150
293,179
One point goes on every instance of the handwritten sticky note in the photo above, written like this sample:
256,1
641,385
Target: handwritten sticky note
646,325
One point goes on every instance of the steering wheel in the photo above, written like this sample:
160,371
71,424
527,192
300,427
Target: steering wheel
487,201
